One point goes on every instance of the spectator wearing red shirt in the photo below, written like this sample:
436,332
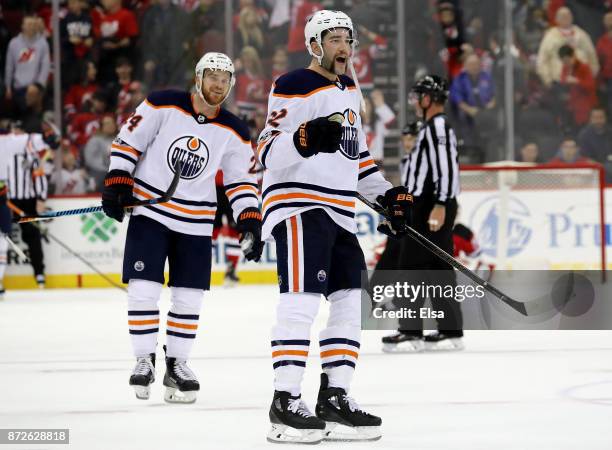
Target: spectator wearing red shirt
80,93
604,53
569,153
252,87
301,11
363,59
116,29
578,78
84,124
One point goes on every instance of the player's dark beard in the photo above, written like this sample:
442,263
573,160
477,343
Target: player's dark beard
328,63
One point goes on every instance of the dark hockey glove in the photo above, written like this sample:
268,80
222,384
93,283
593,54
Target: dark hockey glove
117,193
249,225
398,204
320,135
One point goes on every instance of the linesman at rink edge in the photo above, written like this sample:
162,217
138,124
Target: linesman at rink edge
432,177
316,159
170,126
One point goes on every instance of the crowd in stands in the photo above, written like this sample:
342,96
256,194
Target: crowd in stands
114,52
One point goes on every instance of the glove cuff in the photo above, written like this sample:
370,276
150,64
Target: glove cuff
250,214
115,177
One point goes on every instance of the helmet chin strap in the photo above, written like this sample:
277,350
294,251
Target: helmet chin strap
362,103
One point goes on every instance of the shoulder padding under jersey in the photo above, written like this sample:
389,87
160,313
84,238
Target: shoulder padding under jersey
302,82
230,120
171,97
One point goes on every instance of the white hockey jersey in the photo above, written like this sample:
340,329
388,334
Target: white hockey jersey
164,128
21,167
293,184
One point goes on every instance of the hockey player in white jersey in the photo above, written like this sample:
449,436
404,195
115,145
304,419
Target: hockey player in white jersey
316,160
193,129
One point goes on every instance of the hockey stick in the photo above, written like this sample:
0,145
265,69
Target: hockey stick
517,306
73,212
47,233
16,248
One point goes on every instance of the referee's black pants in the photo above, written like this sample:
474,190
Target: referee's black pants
425,267
30,234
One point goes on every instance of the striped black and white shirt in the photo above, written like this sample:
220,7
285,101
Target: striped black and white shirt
432,168
22,167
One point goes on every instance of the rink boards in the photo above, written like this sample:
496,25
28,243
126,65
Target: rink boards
545,229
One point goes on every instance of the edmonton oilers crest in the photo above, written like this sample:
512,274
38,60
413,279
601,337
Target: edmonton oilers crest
349,145
192,152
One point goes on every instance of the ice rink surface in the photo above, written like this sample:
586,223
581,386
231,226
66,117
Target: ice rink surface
65,360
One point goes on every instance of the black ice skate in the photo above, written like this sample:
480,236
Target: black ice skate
143,376
230,279
402,342
344,419
444,341
292,421
181,384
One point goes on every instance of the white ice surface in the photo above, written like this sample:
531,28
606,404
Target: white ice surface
65,360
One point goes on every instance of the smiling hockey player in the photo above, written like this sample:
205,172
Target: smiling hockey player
195,130
316,160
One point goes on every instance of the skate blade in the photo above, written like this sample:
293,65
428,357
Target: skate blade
338,432
404,347
447,345
283,434
173,395
142,392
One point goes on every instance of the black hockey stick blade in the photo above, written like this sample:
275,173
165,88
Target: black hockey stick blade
91,209
517,306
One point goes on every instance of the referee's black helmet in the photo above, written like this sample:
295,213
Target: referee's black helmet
434,86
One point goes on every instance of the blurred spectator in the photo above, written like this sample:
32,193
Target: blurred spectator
530,31
80,93
278,25
76,37
450,17
27,63
472,91
252,87
134,96
595,139
529,153
363,59
118,89
604,51
164,54
250,32
96,154
383,116
208,27
578,78
301,11
564,33
31,118
74,181
84,124
115,28
280,62
569,153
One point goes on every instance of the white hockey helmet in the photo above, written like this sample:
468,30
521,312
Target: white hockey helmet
214,61
322,21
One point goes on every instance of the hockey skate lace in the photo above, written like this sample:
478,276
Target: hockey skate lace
352,404
143,366
181,369
297,406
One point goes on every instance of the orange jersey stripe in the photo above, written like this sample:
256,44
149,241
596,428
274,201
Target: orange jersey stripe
369,162
295,255
175,207
182,325
309,196
289,352
337,352
241,188
143,322
310,93
123,148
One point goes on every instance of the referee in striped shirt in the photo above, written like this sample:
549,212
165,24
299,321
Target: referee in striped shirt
432,177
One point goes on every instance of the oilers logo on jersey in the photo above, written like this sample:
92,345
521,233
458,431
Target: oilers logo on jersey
349,145
193,154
